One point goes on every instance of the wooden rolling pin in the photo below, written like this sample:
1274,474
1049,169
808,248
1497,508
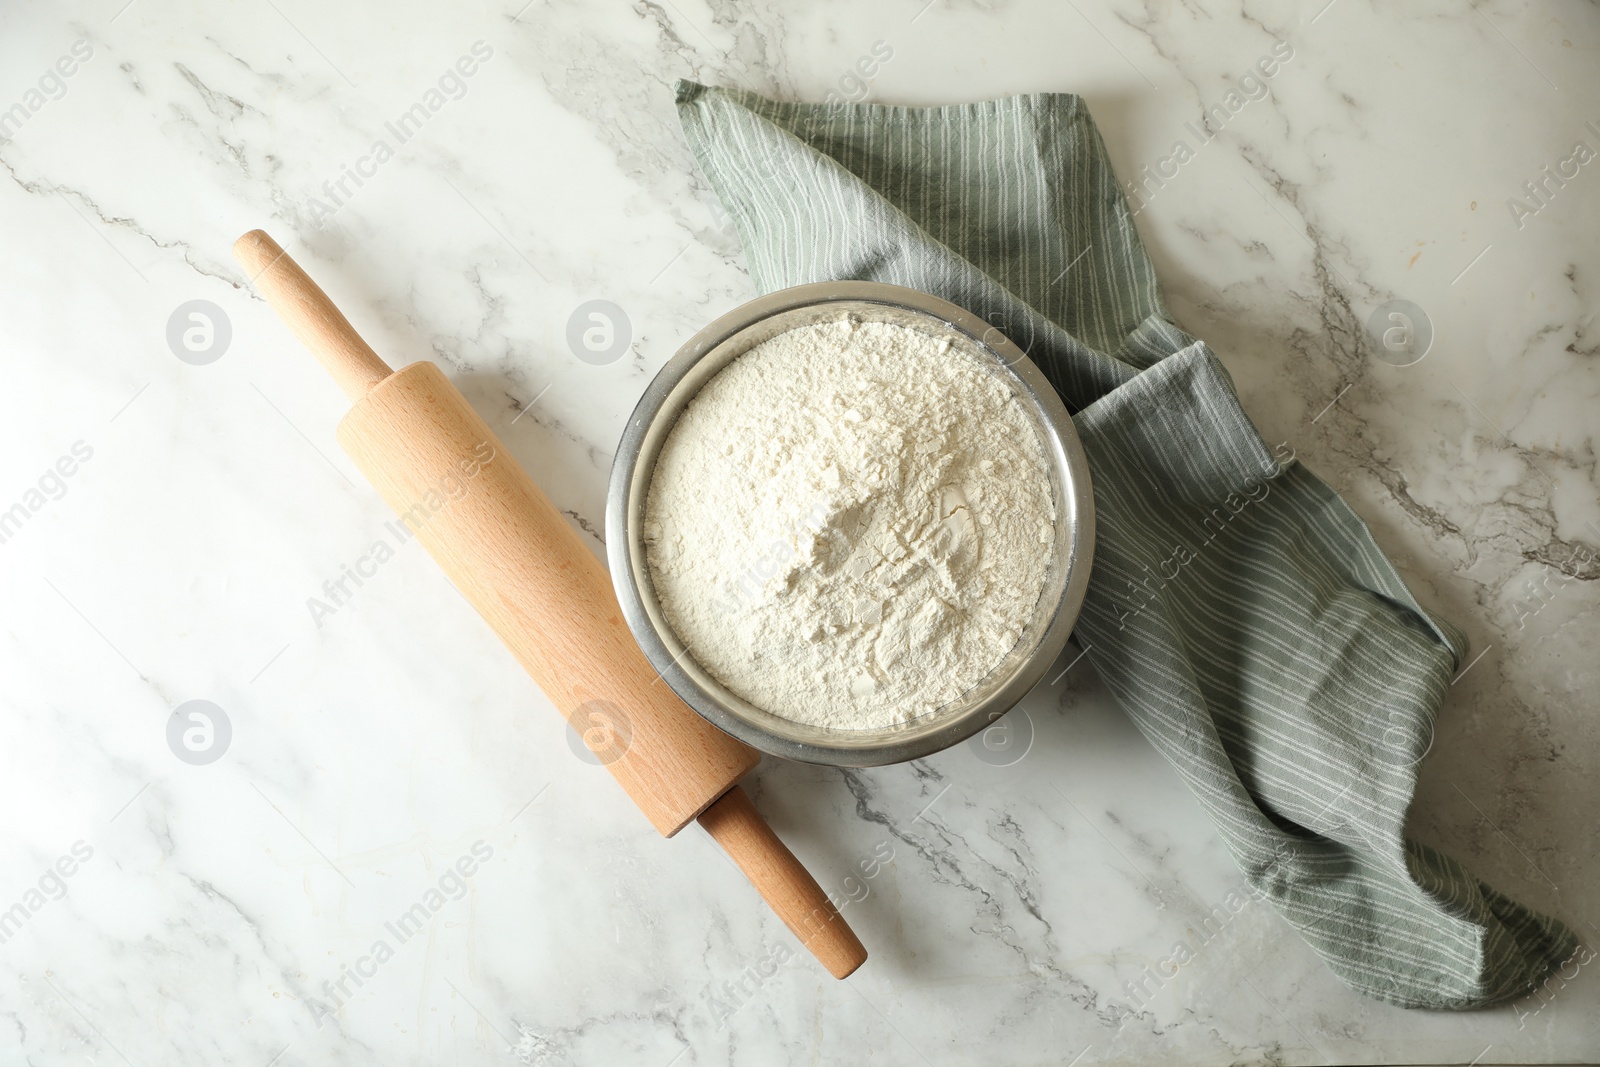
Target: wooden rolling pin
514,557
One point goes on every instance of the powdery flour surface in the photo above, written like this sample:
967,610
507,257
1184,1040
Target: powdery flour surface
850,524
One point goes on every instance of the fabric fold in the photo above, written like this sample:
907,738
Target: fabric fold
1239,611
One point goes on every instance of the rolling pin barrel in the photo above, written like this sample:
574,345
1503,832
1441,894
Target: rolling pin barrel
515,558
508,550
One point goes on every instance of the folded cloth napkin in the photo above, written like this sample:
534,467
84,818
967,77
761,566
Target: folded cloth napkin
1238,610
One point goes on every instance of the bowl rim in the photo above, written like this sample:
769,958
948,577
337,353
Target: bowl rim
627,561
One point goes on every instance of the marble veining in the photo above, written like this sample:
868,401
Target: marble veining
1072,905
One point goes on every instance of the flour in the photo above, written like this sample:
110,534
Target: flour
850,524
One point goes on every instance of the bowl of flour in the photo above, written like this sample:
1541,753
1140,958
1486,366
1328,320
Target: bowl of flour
850,523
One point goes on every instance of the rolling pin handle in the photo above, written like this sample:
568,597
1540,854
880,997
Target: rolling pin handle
785,884
315,320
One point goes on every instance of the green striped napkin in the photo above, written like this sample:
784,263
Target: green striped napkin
1240,612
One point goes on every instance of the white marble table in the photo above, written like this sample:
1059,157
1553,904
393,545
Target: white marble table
167,912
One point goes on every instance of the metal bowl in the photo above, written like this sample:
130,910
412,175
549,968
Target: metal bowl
729,337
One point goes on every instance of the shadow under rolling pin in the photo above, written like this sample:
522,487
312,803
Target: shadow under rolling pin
512,555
